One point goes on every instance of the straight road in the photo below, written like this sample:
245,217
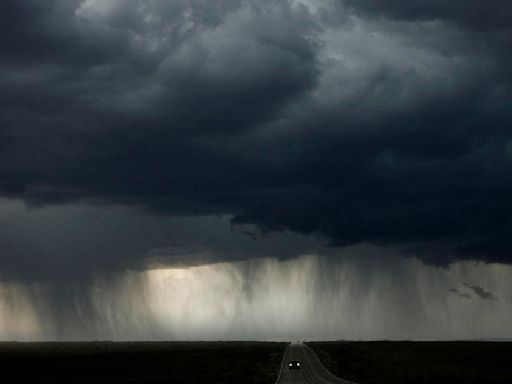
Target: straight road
311,371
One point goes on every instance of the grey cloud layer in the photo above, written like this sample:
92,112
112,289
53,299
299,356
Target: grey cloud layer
476,14
77,243
357,122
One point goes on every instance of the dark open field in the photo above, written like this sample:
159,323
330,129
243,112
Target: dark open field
169,362
418,362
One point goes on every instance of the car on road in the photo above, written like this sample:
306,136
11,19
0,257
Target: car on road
294,364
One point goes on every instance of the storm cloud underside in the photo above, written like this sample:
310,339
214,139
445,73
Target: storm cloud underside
356,152
354,121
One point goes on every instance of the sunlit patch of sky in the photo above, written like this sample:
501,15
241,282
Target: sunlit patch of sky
310,297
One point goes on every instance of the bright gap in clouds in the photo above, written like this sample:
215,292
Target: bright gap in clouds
266,299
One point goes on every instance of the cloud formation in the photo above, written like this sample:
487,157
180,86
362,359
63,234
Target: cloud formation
474,14
354,121
480,292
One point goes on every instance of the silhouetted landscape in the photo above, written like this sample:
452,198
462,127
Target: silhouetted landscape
146,362
253,362
417,362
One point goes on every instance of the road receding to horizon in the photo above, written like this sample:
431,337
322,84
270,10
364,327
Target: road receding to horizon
340,362
311,371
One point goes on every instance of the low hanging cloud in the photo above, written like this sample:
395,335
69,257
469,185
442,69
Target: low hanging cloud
469,290
480,292
351,121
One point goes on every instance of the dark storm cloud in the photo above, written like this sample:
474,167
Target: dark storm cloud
393,130
493,14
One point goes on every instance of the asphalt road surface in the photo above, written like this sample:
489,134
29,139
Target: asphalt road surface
311,371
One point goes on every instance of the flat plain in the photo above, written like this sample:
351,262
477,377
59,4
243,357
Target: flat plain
401,362
141,362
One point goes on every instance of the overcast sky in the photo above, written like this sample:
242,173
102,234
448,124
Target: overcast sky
140,134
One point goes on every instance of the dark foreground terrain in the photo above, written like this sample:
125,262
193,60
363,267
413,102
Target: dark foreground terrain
418,362
169,362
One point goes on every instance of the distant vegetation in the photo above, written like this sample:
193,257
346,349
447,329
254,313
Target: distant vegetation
165,362
386,362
